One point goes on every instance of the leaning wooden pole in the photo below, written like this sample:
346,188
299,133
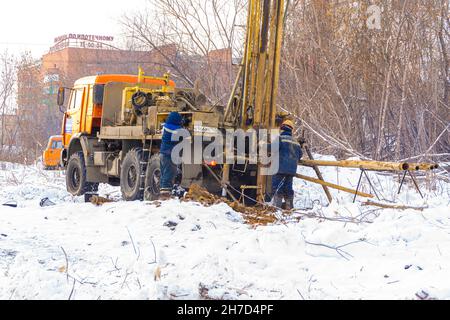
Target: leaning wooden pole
333,186
319,174
359,164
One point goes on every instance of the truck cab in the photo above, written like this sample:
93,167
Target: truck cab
85,104
52,154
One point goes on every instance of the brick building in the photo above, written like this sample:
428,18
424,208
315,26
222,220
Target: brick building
71,63
221,61
74,56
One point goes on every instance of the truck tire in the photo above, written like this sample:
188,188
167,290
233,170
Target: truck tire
132,176
76,183
152,179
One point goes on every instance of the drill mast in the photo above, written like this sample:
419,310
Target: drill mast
253,101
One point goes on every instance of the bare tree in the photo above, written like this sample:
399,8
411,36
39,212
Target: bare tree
36,113
373,93
206,33
7,85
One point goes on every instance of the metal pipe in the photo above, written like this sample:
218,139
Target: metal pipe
333,186
224,186
422,166
367,165
225,179
233,93
265,26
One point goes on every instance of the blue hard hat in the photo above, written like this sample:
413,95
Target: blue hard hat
174,118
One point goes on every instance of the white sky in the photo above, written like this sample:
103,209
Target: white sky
33,24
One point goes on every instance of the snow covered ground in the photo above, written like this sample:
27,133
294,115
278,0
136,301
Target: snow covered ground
180,250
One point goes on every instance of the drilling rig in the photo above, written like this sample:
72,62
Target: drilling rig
112,127
253,99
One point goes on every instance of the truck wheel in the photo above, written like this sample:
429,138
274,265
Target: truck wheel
76,176
132,176
152,179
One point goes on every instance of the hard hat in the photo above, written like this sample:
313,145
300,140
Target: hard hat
288,123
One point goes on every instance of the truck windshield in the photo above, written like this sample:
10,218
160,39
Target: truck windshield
76,99
57,144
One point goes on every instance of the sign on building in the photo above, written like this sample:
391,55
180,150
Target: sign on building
85,41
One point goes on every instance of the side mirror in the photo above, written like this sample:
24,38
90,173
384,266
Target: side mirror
60,98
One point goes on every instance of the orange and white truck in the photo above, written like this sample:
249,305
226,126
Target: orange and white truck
112,131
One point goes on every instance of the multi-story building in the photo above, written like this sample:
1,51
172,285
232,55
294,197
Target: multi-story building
75,56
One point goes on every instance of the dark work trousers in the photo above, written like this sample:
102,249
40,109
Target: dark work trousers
168,172
282,185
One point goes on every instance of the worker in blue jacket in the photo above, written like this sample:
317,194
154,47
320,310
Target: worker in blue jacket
290,152
168,168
